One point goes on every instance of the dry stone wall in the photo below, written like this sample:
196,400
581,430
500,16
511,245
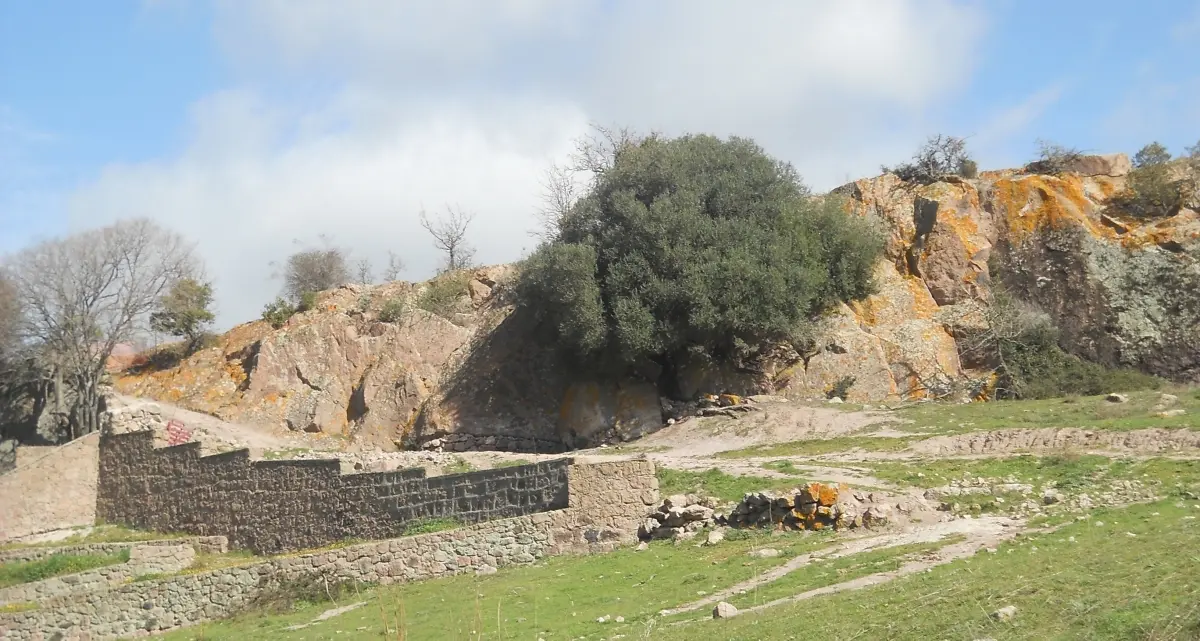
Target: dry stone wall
605,504
202,544
143,559
274,506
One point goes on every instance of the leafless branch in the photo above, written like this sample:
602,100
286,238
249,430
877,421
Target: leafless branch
450,237
83,295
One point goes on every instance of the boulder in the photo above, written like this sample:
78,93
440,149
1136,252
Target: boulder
724,610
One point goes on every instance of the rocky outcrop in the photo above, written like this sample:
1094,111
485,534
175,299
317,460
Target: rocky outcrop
478,376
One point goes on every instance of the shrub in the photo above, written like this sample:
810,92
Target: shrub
442,294
277,312
1158,187
840,388
393,310
689,244
1053,158
1022,344
1036,367
308,302
184,312
939,158
314,270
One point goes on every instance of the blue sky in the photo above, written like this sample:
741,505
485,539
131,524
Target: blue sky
249,124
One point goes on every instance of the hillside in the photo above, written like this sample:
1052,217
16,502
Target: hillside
471,374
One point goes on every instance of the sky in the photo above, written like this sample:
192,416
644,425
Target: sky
255,127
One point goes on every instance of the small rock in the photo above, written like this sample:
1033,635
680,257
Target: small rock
643,546
836,400
1167,398
1116,398
603,619
724,611
1172,413
1005,613
715,537
485,569
619,619
1050,497
764,553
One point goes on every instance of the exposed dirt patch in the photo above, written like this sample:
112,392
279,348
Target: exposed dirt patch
1151,441
773,423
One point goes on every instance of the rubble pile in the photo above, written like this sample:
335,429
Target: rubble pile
815,506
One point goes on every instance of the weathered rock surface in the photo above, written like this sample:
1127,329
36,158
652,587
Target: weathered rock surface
1120,289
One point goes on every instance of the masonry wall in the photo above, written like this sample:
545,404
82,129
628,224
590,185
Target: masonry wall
606,503
51,487
274,506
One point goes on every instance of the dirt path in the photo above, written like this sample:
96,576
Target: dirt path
772,422
981,532
215,433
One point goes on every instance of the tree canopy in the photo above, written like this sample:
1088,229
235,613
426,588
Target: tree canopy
694,243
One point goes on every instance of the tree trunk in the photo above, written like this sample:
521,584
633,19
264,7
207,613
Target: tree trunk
668,378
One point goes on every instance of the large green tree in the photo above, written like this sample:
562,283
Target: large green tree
693,243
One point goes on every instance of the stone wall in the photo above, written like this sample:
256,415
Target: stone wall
52,487
606,502
143,560
273,506
202,544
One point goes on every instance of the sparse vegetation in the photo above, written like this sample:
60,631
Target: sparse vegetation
459,465
714,482
1053,158
1157,185
450,237
939,158
278,312
443,294
56,565
308,302
394,309
314,270
1022,344
693,244
185,312
429,526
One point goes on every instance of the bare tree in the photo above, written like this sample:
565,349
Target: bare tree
83,295
940,157
315,270
364,271
450,236
10,316
394,267
560,190
563,184
597,152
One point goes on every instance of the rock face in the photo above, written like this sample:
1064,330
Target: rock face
477,376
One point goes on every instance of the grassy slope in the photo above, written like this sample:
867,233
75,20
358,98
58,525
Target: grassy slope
1088,580
1130,573
55,565
558,599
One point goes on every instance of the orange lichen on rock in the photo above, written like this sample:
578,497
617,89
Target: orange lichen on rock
1032,203
726,400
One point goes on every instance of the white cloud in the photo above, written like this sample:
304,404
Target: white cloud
465,102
